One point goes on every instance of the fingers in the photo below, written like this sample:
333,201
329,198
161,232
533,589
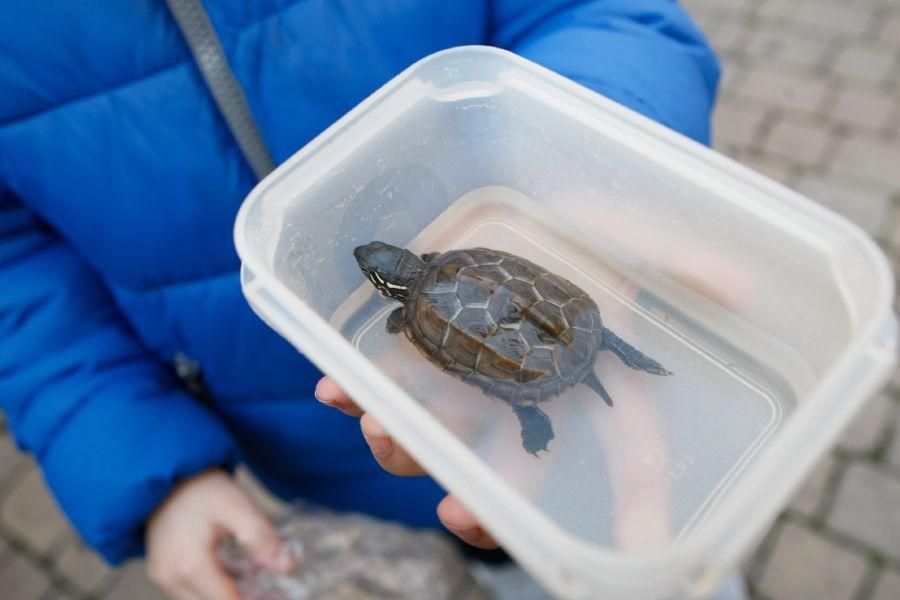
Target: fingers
183,535
395,460
255,532
328,393
389,455
463,524
209,582
194,575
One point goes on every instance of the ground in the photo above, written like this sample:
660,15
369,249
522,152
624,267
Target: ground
811,98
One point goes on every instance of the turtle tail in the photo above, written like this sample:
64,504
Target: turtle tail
536,429
593,382
630,355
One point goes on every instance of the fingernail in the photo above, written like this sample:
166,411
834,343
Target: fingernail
381,445
470,534
319,398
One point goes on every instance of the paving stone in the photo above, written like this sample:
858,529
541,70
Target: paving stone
752,566
5,552
895,380
798,142
82,567
736,126
134,585
704,13
777,9
731,75
890,32
893,455
826,18
869,63
797,91
774,169
869,159
892,241
833,18
868,429
805,564
730,6
892,127
10,458
863,108
785,46
32,515
809,497
866,508
21,580
729,35
865,203
888,586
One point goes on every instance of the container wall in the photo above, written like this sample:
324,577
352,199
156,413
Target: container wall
745,292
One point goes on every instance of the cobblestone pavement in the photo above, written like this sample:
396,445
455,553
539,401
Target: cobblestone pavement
811,97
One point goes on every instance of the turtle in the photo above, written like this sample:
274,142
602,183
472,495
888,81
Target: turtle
517,331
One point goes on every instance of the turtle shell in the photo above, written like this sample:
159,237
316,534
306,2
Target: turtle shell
503,323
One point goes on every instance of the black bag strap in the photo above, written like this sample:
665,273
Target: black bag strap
224,86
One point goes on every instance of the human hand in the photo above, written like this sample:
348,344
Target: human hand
184,533
394,459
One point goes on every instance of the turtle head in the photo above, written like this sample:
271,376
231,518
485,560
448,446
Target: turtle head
391,270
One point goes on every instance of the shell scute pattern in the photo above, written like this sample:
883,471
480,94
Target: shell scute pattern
521,270
461,346
507,344
554,287
436,311
507,323
578,314
476,322
473,291
539,363
549,317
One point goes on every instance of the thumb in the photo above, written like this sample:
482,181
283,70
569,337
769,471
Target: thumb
256,533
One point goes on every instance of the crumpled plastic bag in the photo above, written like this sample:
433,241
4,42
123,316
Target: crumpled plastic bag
354,557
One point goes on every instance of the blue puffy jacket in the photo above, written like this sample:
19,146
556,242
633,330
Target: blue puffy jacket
119,183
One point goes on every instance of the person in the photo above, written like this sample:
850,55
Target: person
130,365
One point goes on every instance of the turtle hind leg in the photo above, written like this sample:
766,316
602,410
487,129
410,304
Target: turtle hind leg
395,321
592,382
536,429
630,355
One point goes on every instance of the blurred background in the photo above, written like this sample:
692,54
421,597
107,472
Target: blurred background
810,97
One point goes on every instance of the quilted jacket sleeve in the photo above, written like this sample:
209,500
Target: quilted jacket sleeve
645,54
110,428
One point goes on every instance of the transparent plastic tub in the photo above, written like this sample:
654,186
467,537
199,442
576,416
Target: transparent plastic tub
773,314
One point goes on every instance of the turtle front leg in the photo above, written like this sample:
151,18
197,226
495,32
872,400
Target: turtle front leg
395,321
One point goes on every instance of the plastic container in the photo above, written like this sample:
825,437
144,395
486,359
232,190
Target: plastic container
773,313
